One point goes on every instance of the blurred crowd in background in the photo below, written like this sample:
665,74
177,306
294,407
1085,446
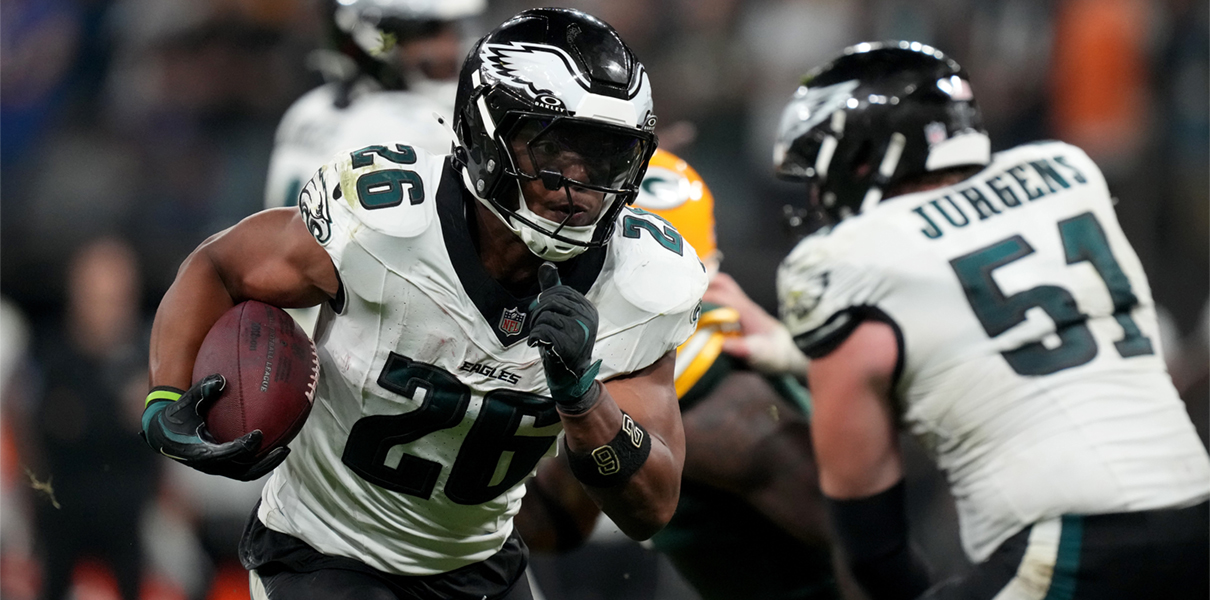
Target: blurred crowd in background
132,129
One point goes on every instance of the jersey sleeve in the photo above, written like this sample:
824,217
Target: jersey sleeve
315,202
824,292
653,302
640,345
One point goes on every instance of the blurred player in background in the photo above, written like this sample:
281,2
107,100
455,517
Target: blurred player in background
750,519
391,69
92,478
476,308
991,305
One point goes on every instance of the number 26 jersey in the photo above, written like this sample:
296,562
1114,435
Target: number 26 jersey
431,410
1029,361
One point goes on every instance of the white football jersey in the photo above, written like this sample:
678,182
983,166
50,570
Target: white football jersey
431,409
314,129
1029,360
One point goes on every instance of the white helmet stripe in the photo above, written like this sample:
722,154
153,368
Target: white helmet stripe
541,69
824,158
967,148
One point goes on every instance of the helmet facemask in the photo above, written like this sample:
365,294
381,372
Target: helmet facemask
585,160
595,165
553,103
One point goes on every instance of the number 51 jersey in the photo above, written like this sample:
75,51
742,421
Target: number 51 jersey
431,409
1029,360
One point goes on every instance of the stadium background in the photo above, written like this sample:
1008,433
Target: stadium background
153,120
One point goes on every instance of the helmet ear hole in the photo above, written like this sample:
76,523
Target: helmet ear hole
863,161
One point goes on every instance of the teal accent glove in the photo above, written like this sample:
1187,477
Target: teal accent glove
173,426
564,330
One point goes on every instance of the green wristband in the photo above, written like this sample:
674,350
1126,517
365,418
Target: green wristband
170,394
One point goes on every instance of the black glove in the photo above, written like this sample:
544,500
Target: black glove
173,426
564,330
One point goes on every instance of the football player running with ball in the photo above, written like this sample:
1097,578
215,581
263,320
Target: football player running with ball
990,305
477,307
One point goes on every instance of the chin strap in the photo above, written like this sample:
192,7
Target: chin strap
539,243
547,247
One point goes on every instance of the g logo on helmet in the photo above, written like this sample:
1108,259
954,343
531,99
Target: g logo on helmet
663,189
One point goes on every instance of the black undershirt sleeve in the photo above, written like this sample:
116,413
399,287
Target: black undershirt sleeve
873,533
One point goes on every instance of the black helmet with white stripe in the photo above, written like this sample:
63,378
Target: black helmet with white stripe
878,114
550,82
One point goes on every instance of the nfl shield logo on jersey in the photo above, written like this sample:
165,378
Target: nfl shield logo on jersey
511,320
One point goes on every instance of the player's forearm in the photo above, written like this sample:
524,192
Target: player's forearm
645,501
269,256
645,504
194,302
557,514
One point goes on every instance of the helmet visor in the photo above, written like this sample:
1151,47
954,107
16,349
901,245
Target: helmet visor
579,152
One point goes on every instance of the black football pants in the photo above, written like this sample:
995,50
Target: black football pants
1122,556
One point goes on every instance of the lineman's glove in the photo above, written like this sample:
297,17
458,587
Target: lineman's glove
564,330
173,426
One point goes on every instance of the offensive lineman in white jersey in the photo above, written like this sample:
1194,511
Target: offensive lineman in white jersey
392,67
453,353
992,306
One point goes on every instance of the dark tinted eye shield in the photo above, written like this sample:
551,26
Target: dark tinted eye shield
566,151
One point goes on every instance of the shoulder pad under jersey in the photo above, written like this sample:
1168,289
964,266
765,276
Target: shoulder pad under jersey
822,286
386,188
655,269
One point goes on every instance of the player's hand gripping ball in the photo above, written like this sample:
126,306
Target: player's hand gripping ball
255,380
564,330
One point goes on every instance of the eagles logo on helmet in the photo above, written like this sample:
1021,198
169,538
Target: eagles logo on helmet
878,114
528,87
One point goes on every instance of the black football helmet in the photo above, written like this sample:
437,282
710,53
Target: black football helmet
555,82
879,113
366,32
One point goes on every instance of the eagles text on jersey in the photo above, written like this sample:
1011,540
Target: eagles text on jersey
431,409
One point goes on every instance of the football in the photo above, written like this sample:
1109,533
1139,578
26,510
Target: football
271,370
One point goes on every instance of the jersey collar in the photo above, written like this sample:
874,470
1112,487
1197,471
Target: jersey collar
506,315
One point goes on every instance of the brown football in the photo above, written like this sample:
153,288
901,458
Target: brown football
271,370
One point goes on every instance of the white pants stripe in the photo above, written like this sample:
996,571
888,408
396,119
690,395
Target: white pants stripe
1037,568
255,587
